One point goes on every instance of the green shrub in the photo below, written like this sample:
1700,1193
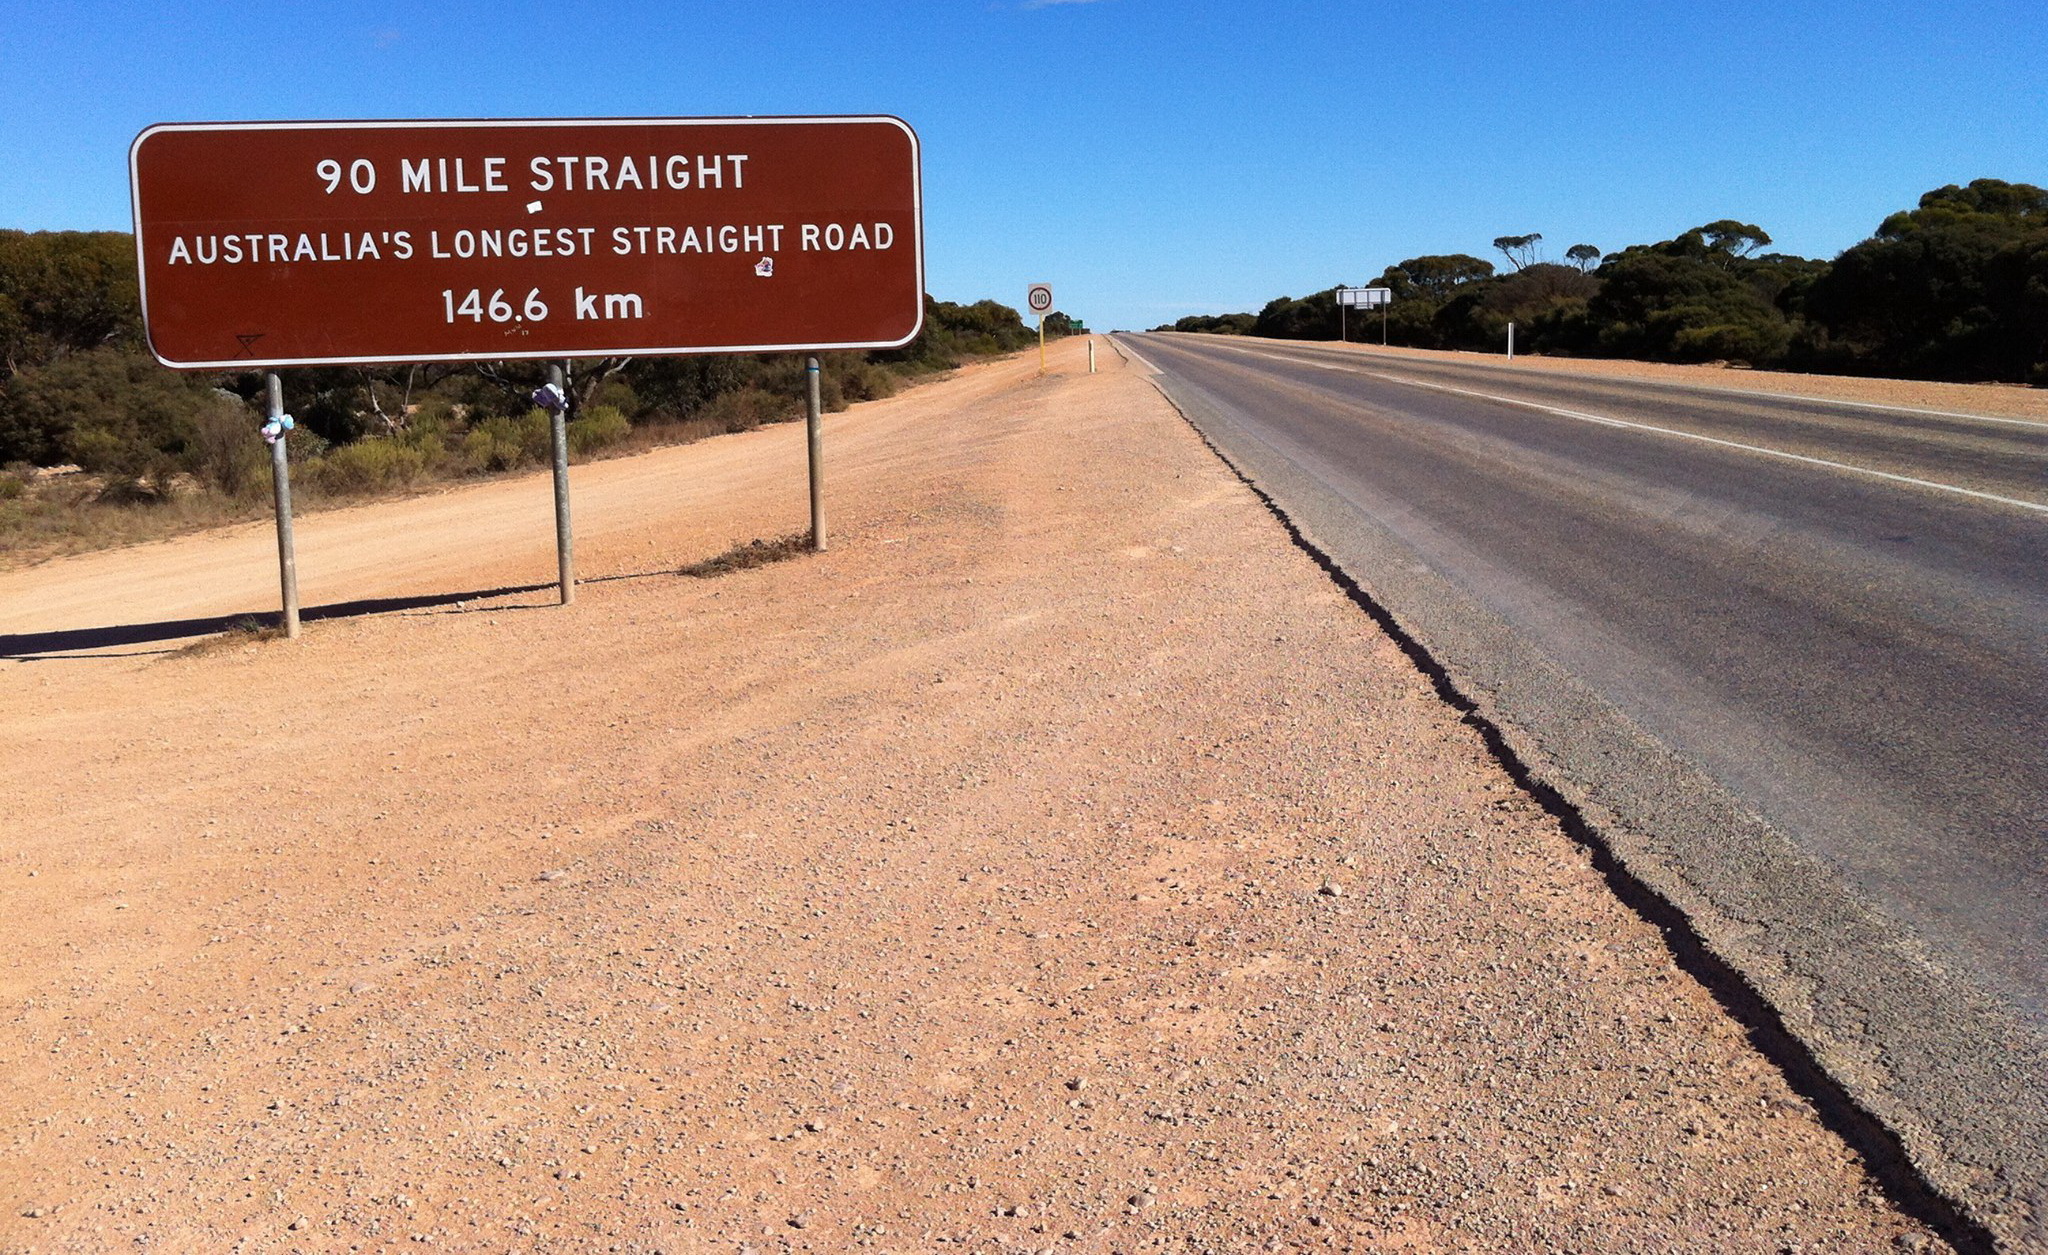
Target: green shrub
97,449
432,447
596,427
226,452
376,464
862,380
1751,342
502,444
302,444
113,411
435,413
619,395
745,409
12,486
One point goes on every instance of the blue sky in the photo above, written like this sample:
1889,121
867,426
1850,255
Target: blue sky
1150,158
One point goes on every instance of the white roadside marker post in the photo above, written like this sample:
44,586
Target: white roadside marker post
815,426
1511,342
281,485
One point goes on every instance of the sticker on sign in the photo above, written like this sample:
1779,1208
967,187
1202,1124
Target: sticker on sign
1039,298
297,243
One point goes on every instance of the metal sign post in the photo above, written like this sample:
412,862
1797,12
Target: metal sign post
815,425
1039,298
565,537
281,485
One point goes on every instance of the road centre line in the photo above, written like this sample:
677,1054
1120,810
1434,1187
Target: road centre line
1606,421
1844,403
1765,451
1736,393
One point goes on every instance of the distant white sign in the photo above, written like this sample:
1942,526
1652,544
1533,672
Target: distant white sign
1039,298
1365,298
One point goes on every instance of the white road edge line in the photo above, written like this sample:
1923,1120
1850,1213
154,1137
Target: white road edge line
1605,421
1125,348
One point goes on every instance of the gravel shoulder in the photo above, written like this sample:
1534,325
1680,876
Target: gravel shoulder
1061,862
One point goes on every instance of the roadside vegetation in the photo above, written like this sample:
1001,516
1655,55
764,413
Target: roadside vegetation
100,446
1953,289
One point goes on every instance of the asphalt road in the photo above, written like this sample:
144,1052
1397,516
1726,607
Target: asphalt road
1788,657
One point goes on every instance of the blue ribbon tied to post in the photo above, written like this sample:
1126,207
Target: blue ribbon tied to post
549,398
274,430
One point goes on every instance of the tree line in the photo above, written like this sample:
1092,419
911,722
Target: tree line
78,387
1955,288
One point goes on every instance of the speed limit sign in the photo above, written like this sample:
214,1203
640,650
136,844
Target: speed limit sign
1039,298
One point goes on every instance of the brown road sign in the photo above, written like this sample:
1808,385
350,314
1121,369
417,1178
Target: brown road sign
294,243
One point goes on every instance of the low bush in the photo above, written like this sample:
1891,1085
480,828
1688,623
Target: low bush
619,395
595,428
372,465
225,452
502,444
434,413
432,447
862,380
427,432
745,409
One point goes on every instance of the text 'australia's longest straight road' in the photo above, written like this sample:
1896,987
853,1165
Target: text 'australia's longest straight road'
293,243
